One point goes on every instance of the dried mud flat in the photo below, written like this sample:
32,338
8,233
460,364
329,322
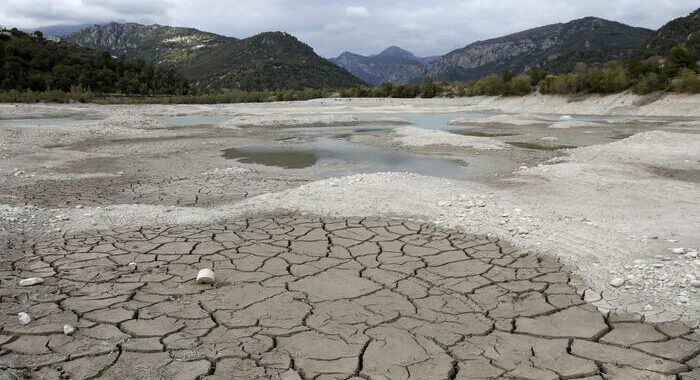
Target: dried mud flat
300,297
369,276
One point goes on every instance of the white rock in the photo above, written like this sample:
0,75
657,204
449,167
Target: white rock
648,307
617,282
205,276
24,318
682,299
695,283
68,329
31,281
132,265
677,251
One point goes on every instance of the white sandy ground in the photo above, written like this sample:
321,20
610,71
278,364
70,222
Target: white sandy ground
601,208
122,123
286,121
574,124
296,121
412,136
668,105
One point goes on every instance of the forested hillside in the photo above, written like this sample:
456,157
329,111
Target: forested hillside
31,62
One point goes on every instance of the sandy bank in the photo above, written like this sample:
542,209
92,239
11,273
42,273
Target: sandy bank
296,121
412,136
668,105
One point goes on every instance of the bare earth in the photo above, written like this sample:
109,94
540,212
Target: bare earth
537,263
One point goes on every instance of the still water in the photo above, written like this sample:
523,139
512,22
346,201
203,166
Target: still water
326,151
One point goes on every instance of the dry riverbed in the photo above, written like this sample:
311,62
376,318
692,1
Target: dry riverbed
528,238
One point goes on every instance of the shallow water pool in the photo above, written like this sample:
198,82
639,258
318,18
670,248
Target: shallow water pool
327,151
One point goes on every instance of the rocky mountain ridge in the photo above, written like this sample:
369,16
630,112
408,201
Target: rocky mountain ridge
555,47
394,65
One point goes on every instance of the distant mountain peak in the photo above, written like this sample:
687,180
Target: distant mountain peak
395,51
393,64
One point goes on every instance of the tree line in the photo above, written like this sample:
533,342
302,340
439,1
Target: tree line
30,62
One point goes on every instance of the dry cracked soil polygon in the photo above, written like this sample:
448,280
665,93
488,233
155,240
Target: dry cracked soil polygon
314,298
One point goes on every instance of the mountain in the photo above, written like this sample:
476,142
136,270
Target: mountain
58,30
555,48
394,65
683,30
271,60
155,43
267,61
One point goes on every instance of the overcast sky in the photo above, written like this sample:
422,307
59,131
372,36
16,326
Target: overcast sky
426,27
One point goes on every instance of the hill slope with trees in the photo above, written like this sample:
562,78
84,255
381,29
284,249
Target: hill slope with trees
31,62
267,61
680,31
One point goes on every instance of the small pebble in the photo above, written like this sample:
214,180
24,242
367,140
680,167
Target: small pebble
68,329
677,251
24,318
31,281
206,276
695,283
617,282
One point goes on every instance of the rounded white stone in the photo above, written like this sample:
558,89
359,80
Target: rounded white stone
31,281
24,318
68,329
677,251
206,276
617,281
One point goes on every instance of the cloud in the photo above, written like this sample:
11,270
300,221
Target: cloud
357,11
133,7
332,27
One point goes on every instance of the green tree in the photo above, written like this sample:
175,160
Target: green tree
536,75
428,88
680,57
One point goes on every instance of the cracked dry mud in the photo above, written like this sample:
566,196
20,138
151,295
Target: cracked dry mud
300,297
200,191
